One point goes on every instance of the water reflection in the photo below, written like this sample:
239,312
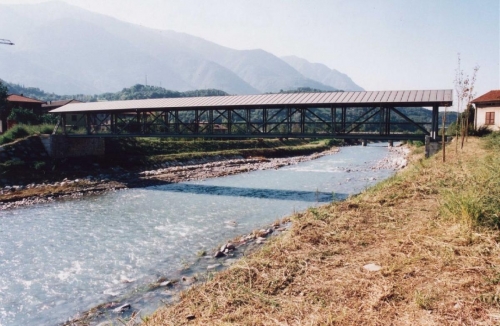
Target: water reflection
280,194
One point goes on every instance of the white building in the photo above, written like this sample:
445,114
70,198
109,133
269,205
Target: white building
488,110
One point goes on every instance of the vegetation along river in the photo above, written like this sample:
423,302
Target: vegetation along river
66,257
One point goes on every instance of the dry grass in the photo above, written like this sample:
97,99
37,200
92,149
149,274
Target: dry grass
437,268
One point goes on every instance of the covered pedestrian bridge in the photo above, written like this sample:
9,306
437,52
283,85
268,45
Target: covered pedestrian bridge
374,115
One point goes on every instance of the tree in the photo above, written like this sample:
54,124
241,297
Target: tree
3,106
464,86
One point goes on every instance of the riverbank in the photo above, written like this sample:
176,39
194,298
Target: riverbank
164,169
419,249
169,172
352,171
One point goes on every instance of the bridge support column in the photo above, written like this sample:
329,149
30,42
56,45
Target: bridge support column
364,142
435,122
60,146
431,147
391,143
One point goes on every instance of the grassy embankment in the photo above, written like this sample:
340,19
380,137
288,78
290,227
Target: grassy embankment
21,131
433,229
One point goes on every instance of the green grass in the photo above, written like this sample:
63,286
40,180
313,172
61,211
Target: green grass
20,131
475,199
492,141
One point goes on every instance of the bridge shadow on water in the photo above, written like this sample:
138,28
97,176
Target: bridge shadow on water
280,194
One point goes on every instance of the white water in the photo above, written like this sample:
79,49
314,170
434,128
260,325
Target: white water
62,258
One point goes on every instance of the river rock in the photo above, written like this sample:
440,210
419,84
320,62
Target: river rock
219,254
166,283
260,240
214,266
188,280
372,267
122,308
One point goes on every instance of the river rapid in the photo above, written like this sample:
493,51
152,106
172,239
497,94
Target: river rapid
65,257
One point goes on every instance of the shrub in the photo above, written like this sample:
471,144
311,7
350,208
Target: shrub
482,131
24,116
493,141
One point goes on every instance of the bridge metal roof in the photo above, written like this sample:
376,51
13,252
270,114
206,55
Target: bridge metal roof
326,99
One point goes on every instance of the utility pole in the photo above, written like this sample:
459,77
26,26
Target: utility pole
6,42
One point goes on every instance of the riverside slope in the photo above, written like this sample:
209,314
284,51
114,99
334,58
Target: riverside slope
399,253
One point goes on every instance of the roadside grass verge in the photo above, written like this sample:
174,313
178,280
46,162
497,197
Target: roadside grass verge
432,228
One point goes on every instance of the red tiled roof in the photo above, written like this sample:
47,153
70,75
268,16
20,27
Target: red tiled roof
57,104
20,98
491,96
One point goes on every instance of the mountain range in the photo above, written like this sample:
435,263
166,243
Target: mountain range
64,49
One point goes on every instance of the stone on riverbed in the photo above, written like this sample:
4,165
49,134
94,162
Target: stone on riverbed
260,240
227,247
166,283
188,280
214,266
122,308
219,254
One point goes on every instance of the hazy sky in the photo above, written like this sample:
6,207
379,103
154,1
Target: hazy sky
380,44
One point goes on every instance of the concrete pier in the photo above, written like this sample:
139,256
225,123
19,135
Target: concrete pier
61,146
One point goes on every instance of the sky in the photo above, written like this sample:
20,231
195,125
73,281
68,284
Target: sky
380,44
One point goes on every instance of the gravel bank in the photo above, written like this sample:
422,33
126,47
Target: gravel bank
169,172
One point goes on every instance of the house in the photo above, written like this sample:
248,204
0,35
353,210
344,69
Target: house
73,118
52,105
488,110
18,101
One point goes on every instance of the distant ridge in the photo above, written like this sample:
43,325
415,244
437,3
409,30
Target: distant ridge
322,73
68,50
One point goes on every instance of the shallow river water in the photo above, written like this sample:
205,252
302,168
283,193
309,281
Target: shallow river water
65,257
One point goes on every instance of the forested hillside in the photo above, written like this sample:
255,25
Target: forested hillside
130,93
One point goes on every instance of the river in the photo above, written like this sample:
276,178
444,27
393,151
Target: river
65,257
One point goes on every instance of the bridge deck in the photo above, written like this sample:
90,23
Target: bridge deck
371,115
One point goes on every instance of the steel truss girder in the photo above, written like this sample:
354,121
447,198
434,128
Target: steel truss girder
248,122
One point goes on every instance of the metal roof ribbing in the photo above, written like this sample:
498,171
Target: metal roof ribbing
406,98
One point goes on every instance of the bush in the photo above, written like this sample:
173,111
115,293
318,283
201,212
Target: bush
493,141
48,119
24,116
416,143
482,131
